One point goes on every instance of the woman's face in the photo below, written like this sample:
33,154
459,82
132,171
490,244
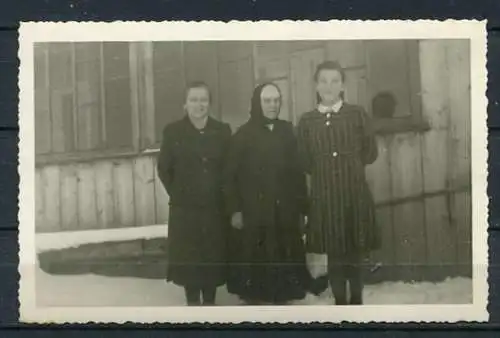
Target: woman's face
197,102
329,85
270,101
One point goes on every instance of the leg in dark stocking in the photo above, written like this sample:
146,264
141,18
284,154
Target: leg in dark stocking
192,296
337,278
209,296
355,284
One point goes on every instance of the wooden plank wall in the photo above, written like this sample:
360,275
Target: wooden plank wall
99,195
429,232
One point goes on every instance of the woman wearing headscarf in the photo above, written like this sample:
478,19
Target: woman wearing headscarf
266,200
190,166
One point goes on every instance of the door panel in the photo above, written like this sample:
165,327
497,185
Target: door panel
302,67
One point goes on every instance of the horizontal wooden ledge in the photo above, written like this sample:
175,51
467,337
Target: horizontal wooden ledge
423,196
399,125
91,156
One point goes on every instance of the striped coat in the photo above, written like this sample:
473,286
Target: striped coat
334,149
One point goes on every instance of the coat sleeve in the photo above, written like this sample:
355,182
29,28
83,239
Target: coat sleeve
369,151
303,146
299,174
165,164
232,197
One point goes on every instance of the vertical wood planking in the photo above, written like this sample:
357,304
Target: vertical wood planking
460,149
51,182
161,199
124,193
42,100
435,110
406,165
460,109
235,90
378,174
349,53
69,197
462,218
441,240
41,224
134,93
148,119
302,67
144,191
385,255
200,64
104,194
435,164
87,208
410,240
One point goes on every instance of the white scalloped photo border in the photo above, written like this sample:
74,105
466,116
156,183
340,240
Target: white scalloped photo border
31,32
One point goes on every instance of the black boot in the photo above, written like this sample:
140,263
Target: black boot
193,296
209,296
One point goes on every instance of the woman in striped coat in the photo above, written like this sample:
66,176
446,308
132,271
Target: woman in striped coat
336,143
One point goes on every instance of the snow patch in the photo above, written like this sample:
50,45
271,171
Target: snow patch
72,239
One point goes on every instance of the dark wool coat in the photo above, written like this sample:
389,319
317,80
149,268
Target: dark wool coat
264,181
190,166
335,149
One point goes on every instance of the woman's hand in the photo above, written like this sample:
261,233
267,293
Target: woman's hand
237,220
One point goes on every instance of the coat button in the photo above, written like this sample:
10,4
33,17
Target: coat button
335,154
328,115
204,159
327,123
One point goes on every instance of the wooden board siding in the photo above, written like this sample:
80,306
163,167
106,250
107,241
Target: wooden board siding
161,198
441,237
420,181
124,193
87,201
144,191
69,198
105,194
52,197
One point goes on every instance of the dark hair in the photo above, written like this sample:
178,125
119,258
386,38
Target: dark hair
197,84
384,105
329,65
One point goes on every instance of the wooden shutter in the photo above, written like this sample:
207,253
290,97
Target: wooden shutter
88,91
117,103
168,82
42,102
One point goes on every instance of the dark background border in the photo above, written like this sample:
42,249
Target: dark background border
12,12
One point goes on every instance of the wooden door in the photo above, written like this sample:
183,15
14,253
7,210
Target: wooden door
355,87
302,67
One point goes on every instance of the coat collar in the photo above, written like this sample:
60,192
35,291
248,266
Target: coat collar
330,109
209,126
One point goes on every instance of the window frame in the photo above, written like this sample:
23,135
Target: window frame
79,156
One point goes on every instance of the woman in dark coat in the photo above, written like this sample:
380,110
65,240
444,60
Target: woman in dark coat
336,143
190,166
266,197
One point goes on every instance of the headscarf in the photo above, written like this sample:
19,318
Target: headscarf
256,113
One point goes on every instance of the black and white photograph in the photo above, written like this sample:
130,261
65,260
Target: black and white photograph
253,171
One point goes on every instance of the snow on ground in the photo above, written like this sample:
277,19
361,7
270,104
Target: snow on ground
93,290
